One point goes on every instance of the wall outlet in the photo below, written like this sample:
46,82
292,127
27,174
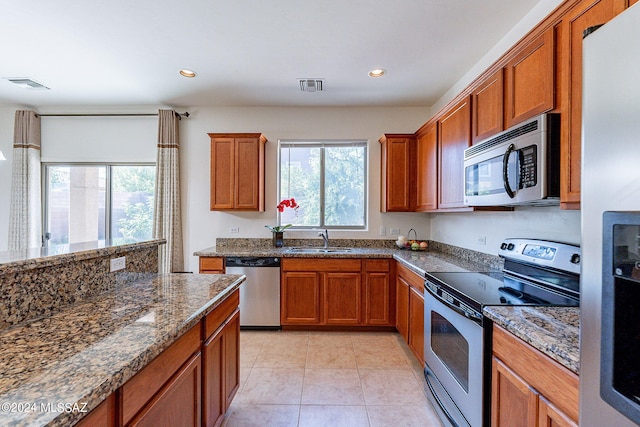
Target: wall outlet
383,230
394,231
117,263
234,230
482,240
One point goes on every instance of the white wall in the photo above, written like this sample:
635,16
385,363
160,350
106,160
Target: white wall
203,226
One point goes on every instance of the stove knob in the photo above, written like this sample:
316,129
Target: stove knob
510,246
575,259
503,246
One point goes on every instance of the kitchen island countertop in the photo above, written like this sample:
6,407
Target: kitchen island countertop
84,353
555,331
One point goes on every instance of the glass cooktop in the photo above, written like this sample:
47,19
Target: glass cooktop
478,289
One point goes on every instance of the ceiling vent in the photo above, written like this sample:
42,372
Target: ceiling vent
311,85
27,83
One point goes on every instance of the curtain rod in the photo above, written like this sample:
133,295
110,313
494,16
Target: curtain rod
185,114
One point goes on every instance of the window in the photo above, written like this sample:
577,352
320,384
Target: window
328,180
87,202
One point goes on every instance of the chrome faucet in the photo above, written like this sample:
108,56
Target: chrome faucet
325,237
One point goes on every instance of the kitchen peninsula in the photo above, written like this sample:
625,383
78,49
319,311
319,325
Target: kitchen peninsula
75,336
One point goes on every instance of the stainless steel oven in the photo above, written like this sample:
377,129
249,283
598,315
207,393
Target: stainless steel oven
457,345
519,166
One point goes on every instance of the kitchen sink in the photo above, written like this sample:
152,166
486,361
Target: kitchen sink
319,250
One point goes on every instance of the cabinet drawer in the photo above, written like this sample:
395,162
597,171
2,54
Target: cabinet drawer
136,392
219,314
321,264
211,264
413,279
373,265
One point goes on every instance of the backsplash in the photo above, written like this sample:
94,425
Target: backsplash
40,287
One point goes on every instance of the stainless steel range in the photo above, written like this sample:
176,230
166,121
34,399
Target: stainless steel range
458,337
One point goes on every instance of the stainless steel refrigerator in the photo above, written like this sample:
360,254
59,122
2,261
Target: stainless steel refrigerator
610,182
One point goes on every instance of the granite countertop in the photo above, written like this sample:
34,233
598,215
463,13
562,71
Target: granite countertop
84,353
18,261
430,260
555,331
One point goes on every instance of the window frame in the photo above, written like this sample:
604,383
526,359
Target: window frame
322,143
108,196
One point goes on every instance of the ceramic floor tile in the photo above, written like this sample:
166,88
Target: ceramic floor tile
379,357
272,386
249,353
242,415
330,339
403,416
333,416
331,356
391,387
332,387
282,356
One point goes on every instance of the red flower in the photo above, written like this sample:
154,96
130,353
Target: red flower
287,203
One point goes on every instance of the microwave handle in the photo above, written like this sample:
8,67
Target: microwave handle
505,171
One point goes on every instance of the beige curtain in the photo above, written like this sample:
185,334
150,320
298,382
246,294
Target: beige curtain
25,226
167,223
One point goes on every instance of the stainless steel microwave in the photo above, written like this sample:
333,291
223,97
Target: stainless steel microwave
519,166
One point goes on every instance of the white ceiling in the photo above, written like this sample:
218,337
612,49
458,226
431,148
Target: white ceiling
246,52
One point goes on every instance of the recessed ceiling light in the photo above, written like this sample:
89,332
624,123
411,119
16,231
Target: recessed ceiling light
377,72
187,73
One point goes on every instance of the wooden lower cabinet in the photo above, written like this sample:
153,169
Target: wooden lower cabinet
212,265
343,292
416,323
177,403
410,309
528,387
191,383
104,415
221,375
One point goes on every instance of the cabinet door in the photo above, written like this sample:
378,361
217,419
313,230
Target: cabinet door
530,79
377,294
178,402
513,401
300,294
342,303
231,358
454,137
550,416
402,307
213,394
222,173
416,323
104,415
398,173
487,107
584,15
247,173
427,169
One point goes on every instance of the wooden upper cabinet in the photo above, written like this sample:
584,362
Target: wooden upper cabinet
427,168
488,107
530,79
397,173
584,15
237,171
454,137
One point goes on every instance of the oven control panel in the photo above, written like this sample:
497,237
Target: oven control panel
560,256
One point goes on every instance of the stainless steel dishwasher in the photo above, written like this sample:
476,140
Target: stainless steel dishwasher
260,293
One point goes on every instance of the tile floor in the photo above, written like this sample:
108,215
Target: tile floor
328,379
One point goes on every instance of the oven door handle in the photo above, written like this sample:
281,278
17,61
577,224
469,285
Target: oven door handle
427,374
505,171
453,307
